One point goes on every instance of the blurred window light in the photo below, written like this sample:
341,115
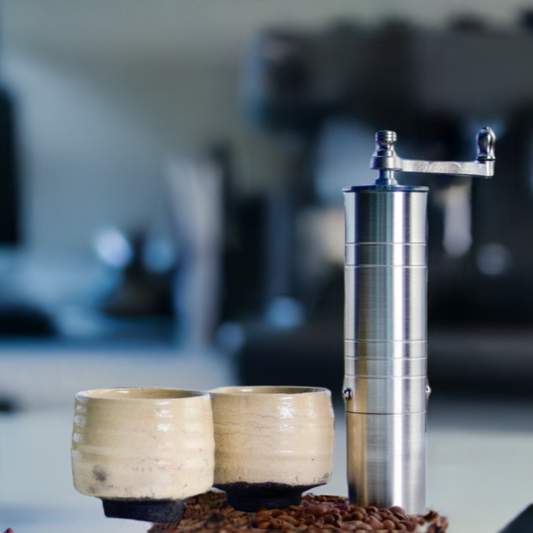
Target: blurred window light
230,336
159,255
457,237
113,248
285,312
494,259
343,157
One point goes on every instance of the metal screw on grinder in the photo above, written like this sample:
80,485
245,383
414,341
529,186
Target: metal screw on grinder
347,393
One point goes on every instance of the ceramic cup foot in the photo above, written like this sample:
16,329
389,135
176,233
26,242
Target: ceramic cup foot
159,511
250,497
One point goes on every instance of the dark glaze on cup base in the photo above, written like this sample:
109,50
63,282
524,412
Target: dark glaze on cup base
250,497
158,511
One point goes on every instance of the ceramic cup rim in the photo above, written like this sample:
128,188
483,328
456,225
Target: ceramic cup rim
140,394
268,391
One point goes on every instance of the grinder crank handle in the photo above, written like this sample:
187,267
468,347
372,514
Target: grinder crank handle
385,159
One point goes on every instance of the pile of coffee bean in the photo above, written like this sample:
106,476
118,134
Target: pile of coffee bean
337,514
210,512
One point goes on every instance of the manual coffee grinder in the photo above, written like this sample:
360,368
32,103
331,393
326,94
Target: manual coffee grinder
385,326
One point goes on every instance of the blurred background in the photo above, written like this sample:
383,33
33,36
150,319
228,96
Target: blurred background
171,214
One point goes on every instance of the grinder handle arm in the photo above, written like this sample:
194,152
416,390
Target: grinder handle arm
386,161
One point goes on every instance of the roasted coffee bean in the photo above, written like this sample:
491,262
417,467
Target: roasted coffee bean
316,510
329,519
431,515
375,524
360,525
287,518
395,520
275,523
397,509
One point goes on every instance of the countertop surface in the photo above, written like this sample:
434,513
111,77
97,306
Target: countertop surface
479,477
480,471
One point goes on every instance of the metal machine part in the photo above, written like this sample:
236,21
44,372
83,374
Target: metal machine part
385,385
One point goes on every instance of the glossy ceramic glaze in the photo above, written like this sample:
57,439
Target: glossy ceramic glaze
142,444
272,438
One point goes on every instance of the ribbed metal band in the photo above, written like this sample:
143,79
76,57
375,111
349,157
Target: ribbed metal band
385,349
383,254
386,395
385,367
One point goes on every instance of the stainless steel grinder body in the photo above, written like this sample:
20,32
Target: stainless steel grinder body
385,345
385,341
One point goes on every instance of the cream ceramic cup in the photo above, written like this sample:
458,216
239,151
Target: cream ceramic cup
272,443
143,450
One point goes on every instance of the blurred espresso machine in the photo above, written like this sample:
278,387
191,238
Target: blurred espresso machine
435,88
